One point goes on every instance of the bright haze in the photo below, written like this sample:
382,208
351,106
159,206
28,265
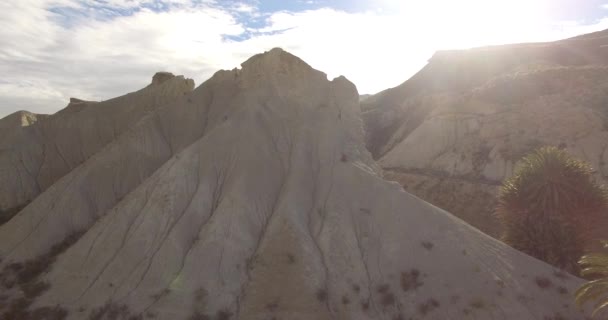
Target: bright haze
51,50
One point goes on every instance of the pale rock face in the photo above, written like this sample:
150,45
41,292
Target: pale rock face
461,121
36,156
254,197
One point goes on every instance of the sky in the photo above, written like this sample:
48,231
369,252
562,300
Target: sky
51,50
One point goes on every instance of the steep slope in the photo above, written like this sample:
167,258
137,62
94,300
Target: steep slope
273,208
35,156
453,132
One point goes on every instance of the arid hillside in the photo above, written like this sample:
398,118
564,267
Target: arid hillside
453,132
35,154
252,196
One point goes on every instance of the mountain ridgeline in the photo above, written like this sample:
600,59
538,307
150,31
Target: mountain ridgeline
254,196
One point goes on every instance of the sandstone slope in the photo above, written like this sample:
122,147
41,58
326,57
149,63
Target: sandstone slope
453,132
263,204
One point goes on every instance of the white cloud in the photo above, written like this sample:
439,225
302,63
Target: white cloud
44,61
368,49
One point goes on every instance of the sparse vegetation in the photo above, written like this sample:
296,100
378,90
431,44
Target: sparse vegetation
200,294
291,259
272,306
556,316
481,156
161,294
321,295
427,306
7,214
549,207
26,276
410,280
500,283
113,311
398,316
199,316
387,299
18,310
477,303
427,245
224,314
543,283
383,288
560,275
364,305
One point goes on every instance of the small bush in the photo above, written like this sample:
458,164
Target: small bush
364,305
543,283
383,288
560,275
428,306
112,311
224,314
199,316
291,259
398,317
550,206
8,214
410,280
321,295
272,306
34,289
200,294
388,299
478,303
427,245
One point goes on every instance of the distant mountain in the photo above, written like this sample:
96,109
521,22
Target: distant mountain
250,197
15,121
34,156
453,132
364,96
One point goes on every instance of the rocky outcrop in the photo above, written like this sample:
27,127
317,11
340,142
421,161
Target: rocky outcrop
34,157
15,121
453,132
254,197
161,77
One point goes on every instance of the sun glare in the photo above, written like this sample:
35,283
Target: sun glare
470,23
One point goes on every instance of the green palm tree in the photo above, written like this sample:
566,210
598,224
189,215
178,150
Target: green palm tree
549,207
594,265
